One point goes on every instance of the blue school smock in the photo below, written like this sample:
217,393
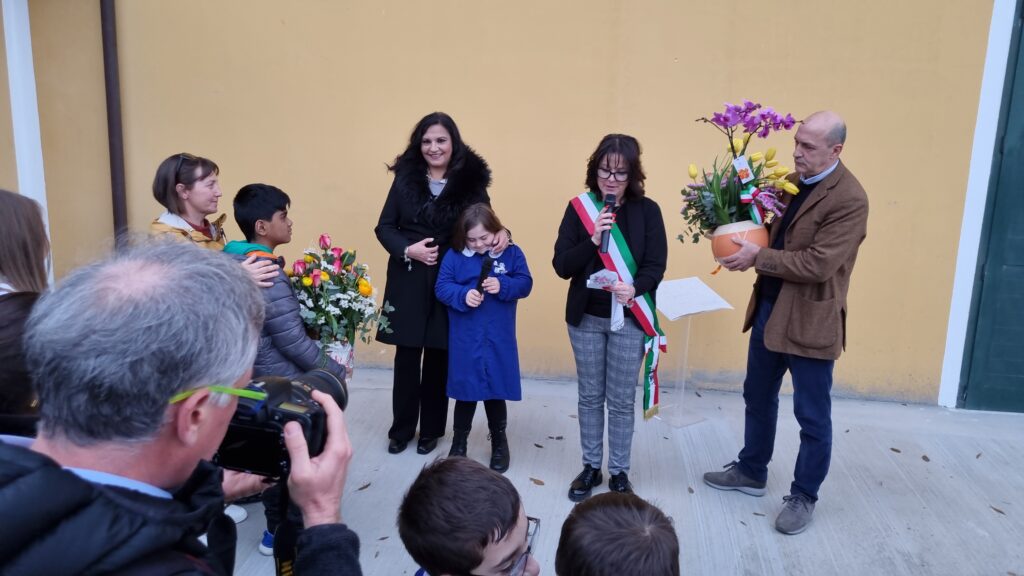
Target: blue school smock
483,359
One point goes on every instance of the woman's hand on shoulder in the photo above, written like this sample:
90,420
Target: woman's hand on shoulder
501,241
262,271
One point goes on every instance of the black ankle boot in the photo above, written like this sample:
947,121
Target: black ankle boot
499,449
459,443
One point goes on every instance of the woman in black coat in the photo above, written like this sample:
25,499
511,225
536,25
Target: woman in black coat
436,178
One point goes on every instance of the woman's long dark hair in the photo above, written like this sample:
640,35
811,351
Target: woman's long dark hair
412,157
629,149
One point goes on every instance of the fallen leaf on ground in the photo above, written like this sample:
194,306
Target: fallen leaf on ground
376,554
977,456
559,437
847,431
758,514
997,510
742,522
698,394
665,437
925,458
364,486
689,489
537,482
572,415
537,445
383,538
896,450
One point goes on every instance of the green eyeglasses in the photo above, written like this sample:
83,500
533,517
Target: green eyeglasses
241,392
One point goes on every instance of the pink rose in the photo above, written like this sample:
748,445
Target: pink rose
336,266
325,241
299,268
337,251
316,277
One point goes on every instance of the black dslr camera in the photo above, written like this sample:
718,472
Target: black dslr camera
255,438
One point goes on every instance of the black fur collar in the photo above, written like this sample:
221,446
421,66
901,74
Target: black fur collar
466,185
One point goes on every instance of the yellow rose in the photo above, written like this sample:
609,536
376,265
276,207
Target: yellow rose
770,154
308,258
365,289
790,187
756,157
307,281
324,276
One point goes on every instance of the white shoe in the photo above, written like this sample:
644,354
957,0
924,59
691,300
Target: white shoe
236,513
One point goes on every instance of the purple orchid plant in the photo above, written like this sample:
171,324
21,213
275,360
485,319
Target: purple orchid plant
726,194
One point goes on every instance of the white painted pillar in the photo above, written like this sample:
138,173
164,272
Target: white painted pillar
989,104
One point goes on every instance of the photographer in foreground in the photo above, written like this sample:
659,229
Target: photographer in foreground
132,405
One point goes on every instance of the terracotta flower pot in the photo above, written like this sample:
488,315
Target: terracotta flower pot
721,239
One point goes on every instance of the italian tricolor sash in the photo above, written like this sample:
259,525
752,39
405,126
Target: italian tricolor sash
620,260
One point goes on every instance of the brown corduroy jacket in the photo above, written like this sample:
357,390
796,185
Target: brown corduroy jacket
820,249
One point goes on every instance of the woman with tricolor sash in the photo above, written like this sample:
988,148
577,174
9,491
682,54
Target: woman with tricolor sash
612,325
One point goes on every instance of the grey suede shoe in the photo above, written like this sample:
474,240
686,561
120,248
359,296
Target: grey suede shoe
732,479
796,514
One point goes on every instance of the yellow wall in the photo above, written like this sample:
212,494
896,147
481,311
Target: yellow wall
8,166
316,97
68,59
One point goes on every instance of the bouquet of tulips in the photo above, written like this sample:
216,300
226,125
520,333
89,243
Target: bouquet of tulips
738,187
336,298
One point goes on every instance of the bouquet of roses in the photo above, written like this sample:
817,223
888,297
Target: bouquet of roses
336,298
738,187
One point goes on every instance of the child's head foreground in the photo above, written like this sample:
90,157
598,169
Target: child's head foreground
261,211
476,228
617,534
459,517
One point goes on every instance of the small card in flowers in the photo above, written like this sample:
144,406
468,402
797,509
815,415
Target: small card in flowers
743,169
602,279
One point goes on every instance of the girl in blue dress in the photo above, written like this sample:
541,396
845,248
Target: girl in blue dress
481,289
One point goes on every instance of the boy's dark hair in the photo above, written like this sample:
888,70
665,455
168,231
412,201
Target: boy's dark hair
182,168
629,149
454,509
257,202
476,214
615,534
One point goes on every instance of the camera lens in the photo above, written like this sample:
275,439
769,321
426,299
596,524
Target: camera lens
327,383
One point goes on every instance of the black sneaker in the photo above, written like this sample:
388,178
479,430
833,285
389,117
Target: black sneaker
580,488
620,483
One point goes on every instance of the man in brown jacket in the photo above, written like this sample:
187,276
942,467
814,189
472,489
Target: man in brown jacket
798,315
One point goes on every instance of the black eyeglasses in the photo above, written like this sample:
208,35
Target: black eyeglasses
532,525
608,175
177,166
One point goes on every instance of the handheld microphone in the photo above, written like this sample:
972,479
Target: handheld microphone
485,269
609,204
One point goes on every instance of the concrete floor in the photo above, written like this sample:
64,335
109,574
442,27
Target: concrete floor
912,490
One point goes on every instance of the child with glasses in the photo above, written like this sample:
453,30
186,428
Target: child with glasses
481,288
459,517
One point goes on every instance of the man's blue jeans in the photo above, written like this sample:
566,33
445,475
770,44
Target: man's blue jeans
812,405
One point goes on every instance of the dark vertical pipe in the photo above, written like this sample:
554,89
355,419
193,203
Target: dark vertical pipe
115,137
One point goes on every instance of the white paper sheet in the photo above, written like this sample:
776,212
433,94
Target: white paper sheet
687,296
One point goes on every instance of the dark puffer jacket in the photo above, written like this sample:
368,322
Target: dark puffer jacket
285,348
58,523
411,214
